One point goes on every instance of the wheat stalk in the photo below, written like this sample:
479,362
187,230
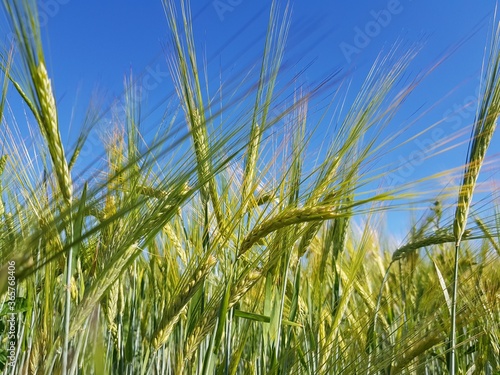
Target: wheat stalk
482,133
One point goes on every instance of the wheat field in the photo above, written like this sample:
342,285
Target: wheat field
216,246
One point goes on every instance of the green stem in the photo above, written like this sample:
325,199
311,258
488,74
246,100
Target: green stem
453,337
67,305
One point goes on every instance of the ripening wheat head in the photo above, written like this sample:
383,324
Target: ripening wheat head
482,132
33,84
48,116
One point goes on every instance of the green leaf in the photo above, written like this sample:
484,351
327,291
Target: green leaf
261,318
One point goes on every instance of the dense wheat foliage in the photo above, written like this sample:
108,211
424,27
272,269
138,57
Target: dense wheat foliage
218,246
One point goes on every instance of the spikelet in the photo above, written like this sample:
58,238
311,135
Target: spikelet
201,148
264,198
244,285
409,248
176,243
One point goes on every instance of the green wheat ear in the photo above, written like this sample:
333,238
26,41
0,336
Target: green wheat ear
50,129
482,133
34,85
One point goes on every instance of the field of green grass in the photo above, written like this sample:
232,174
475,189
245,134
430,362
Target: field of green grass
218,247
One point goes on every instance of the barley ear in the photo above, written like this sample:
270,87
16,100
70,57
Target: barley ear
33,84
50,130
482,133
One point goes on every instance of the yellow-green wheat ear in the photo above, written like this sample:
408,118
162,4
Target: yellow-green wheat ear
50,129
482,133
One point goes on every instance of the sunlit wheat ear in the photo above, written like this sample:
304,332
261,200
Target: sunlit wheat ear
34,360
33,84
482,133
184,72
50,130
284,219
3,163
249,174
297,216
200,139
480,143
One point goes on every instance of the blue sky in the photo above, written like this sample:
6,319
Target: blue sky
94,43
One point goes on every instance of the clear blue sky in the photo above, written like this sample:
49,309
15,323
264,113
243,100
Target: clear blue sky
96,43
